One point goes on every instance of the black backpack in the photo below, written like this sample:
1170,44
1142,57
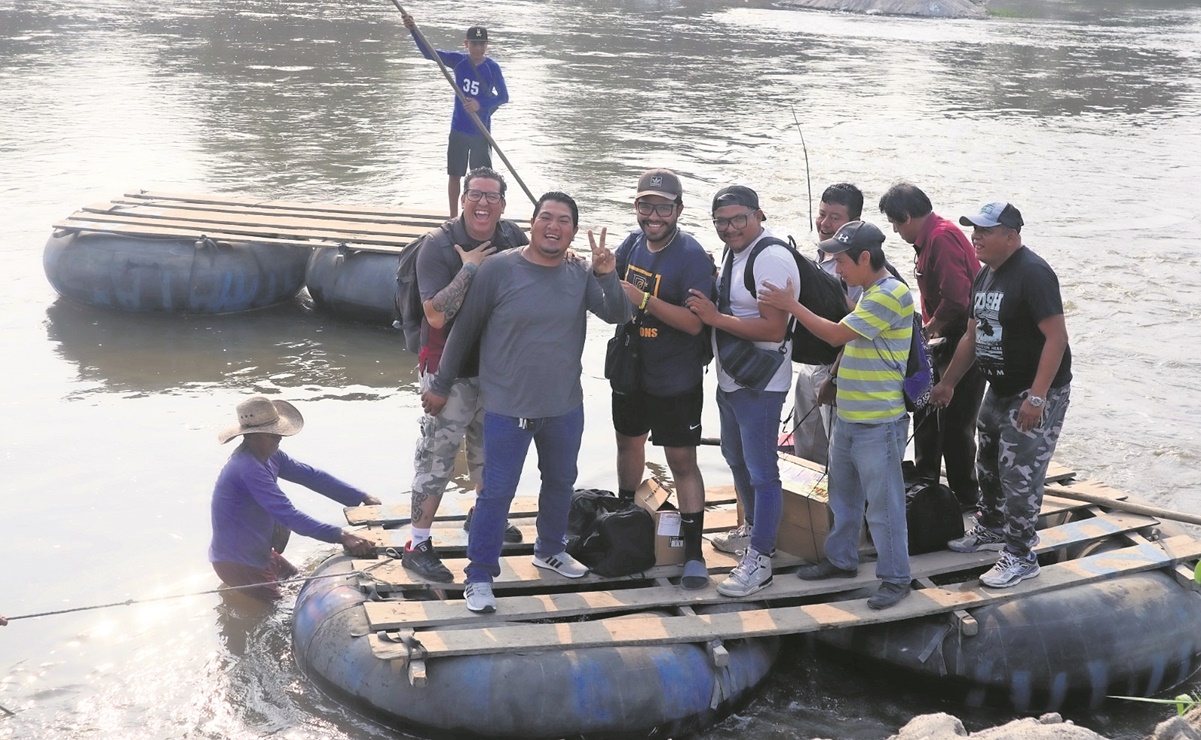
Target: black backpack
821,293
409,310
933,517
612,536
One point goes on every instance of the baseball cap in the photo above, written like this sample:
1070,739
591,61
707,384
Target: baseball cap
998,213
736,195
857,234
477,33
660,182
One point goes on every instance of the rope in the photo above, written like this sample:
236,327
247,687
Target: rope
131,602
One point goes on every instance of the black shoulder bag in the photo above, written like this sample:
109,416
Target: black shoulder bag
749,366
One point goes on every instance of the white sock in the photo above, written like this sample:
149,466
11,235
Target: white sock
419,535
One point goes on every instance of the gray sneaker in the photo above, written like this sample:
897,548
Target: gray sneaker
736,541
563,564
1010,570
753,573
978,538
479,598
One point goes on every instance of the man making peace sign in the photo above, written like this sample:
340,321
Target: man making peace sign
528,310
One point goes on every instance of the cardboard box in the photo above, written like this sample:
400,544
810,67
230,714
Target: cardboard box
669,538
805,518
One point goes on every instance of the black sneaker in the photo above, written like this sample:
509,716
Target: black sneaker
512,533
888,594
823,570
424,561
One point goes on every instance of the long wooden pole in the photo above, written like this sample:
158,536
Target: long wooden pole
1130,506
463,99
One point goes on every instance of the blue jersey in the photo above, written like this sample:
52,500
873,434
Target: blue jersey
485,84
673,362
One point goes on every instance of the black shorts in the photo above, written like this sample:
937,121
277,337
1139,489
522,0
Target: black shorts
463,150
673,421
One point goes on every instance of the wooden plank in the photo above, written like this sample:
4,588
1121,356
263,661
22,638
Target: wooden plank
330,236
392,614
1057,473
428,221
295,224
659,630
219,199
452,539
159,231
392,515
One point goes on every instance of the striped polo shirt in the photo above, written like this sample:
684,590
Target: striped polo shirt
873,364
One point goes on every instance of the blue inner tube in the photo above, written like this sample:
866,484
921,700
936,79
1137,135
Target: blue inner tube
359,286
172,275
1133,636
590,692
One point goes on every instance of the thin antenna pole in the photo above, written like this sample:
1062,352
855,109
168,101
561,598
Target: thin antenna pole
808,182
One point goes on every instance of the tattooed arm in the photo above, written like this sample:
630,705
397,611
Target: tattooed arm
443,307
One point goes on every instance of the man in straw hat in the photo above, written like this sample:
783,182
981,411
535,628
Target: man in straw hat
248,502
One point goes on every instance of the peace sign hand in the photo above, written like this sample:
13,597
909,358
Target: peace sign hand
603,261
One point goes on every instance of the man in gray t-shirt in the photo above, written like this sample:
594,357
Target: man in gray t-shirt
528,309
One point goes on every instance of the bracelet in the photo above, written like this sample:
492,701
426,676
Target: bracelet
646,298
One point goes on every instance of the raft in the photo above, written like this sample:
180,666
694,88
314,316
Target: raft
1133,634
170,274
199,253
633,656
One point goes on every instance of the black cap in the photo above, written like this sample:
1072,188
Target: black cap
477,33
736,195
857,234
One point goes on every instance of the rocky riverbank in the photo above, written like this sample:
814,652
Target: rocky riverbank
1046,727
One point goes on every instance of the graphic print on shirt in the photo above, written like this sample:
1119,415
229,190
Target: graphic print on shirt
643,280
988,332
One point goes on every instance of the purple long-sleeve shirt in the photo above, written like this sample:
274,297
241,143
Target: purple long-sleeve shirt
247,501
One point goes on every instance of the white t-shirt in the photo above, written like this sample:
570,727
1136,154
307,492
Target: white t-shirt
774,265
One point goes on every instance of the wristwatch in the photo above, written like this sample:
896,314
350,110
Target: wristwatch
1036,401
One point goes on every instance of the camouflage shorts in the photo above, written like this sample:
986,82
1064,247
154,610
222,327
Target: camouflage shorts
1012,464
442,435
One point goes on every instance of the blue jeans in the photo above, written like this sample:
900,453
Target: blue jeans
557,440
750,424
865,471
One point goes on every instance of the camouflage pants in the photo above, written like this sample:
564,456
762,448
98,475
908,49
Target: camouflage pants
1012,465
442,435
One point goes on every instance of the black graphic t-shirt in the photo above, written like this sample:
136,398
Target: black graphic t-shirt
1008,305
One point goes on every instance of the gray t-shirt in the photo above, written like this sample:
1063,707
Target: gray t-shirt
531,322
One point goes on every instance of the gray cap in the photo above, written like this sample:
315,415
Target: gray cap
661,182
858,234
998,213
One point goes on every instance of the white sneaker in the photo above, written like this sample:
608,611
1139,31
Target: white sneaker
479,598
563,564
753,573
735,541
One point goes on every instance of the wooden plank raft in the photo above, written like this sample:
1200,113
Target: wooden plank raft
441,613
232,219
648,630
518,572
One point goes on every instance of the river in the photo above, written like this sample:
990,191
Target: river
1083,113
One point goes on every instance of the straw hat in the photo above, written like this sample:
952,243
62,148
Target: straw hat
260,415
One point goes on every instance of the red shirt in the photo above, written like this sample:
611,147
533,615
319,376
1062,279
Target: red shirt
946,265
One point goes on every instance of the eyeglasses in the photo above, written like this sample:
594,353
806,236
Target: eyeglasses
475,196
737,222
663,209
